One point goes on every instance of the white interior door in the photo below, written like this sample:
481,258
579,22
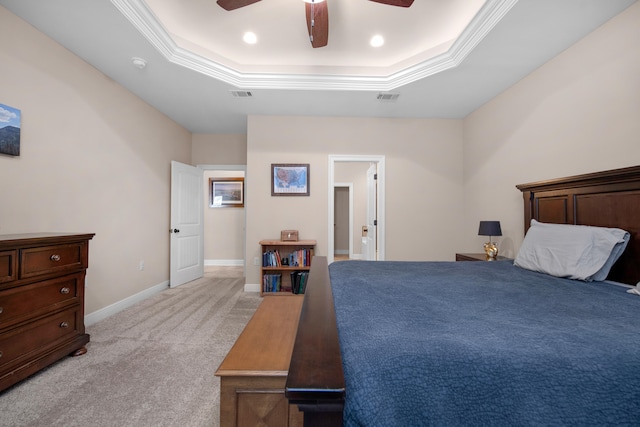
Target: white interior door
370,253
187,229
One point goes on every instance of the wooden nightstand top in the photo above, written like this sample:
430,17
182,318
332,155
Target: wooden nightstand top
477,257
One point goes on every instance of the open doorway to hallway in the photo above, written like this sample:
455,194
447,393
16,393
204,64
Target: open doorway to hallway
224,227
356,207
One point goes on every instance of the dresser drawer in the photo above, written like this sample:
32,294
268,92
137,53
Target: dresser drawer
52,259
8,266
25,302
39,336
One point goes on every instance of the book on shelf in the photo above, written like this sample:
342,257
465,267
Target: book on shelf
271,259
272,283
298,281
299,258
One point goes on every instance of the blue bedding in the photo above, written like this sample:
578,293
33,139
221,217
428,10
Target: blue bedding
484,343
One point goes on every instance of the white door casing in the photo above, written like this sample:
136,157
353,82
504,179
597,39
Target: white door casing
187,227
372,229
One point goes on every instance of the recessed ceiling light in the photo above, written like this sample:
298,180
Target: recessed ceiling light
313,1
250,38
377,41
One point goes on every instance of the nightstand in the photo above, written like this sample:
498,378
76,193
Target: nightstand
477,257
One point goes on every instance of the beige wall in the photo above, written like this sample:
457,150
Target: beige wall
223,226
94,158
341,221
210,149
356,174
423,180
579,113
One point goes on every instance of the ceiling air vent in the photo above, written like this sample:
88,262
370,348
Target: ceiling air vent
387,96
241,93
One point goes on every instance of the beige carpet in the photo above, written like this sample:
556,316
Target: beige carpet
150,365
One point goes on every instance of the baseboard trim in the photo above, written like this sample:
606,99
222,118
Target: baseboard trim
224,262
252,287
117,307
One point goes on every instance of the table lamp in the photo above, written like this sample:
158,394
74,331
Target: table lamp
490,228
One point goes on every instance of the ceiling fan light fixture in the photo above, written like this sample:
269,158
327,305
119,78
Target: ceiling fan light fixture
250,38
377,40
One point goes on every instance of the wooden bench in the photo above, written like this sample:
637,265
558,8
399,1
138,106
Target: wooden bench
254,372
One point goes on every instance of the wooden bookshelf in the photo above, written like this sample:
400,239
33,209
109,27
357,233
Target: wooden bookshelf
274,254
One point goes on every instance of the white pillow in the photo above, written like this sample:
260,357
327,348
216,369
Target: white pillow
573,251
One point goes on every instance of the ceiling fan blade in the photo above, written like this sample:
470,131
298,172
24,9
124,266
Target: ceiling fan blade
401,3
235,4
318,23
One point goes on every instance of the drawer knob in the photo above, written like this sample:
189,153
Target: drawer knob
65,290
0,354
64,325
0,310
55,257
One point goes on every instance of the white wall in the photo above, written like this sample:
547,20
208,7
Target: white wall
94,158
579,113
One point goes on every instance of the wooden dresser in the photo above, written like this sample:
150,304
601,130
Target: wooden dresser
41,301
254,372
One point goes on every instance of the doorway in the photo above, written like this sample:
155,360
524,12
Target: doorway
224,227
376,229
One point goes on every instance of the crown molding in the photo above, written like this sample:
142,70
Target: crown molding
143,19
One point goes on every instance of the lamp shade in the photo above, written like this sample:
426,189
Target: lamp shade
490,228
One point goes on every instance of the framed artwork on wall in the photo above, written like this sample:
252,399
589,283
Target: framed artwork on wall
226,192
289,179
9,130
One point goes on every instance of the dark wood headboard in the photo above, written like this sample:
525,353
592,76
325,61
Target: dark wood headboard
607,199
604,199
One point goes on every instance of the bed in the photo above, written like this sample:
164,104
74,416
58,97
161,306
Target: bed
480,343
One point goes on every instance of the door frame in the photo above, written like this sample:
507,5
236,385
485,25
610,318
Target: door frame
380,202
372,238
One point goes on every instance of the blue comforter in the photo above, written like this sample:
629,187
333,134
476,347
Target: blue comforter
484,343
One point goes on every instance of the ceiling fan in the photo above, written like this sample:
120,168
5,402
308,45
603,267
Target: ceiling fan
317,15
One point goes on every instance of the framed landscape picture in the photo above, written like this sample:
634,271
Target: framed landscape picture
226,192
9,130
290,179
